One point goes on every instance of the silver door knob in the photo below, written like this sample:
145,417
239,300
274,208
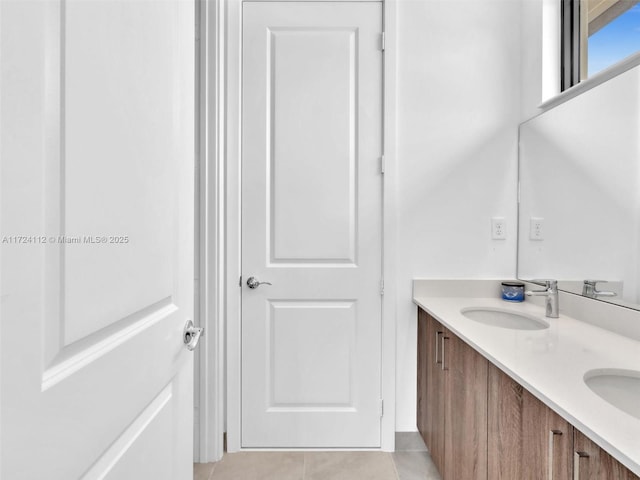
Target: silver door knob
253,282
191,335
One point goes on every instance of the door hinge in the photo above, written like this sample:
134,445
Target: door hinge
240,282
382,41
382,286
382,165
518,191
381,408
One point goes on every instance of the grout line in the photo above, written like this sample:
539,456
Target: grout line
213,470
395,468
304,465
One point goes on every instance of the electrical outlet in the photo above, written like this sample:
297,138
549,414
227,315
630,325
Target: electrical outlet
498,228
536,228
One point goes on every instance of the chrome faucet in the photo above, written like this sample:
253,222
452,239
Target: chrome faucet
551,292
590,289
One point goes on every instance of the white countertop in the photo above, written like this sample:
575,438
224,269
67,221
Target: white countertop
551,364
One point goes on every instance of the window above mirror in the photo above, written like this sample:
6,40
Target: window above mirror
597,34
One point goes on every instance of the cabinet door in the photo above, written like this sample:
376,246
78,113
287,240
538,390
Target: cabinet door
430,418
435,393
526,439
590,462
559,435
465,410
423,351
507,433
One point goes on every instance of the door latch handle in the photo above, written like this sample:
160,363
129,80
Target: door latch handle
191,335
253,282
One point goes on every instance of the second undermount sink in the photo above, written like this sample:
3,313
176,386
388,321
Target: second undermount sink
504,318
620,388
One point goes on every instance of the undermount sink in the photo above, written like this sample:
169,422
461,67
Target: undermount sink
620,388
504,318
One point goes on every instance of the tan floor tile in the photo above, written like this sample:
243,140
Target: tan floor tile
349,466
202,471
260,466
415,466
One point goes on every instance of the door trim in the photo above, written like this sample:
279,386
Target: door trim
389,229
209,386
226,220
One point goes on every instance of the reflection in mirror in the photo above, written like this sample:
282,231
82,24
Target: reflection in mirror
579,213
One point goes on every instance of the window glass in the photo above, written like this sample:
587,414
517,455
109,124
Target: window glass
613,33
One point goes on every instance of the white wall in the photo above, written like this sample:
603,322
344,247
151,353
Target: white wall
459,100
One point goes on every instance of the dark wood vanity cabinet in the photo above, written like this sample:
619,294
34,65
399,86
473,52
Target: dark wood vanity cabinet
527,439
452,401
465,413
590,462
431,386
478,423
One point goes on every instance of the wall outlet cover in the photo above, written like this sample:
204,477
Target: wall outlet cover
536,228
498,228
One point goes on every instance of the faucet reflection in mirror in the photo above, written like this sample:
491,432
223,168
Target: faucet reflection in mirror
580,173
590,289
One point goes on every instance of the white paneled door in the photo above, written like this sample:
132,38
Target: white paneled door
311,224
97,151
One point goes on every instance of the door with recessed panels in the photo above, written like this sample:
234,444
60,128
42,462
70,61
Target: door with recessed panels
96,220
311,224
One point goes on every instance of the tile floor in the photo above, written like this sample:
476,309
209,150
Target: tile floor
410,461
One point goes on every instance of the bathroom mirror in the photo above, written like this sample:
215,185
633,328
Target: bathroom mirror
579,211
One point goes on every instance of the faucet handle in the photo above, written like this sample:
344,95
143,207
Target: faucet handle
547,283
551,293
593,283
